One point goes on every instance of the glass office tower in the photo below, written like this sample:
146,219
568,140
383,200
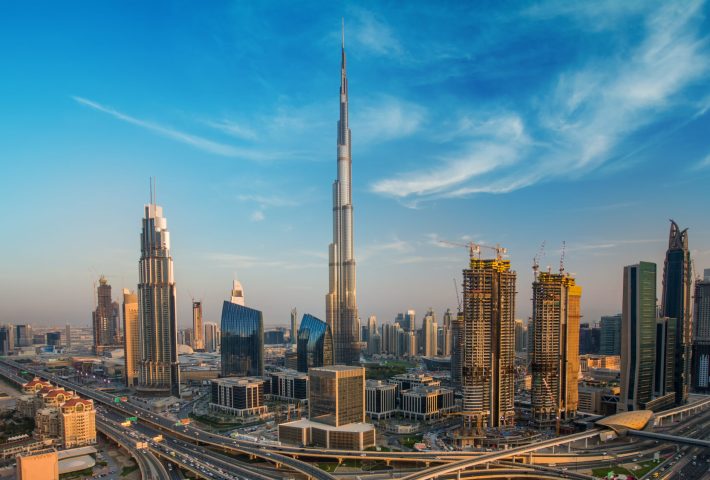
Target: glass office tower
242,341
315,344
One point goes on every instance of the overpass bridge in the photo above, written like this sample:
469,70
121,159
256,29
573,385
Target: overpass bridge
699,403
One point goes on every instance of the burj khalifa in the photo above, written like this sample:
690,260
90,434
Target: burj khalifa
340,302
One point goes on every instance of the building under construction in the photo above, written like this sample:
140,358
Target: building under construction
488,356
555,355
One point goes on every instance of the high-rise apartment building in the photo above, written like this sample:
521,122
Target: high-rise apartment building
701,342
105,320
315,344
610,337
675,303
159,370
555,355
242,338
198,336
78,423
337,395
212,337
589,339
638,336
488,360
131,337
67,335
429,334
341,302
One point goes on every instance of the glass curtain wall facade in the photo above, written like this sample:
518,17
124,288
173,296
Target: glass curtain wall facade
701,342
315,344
242,336
638,336
677,282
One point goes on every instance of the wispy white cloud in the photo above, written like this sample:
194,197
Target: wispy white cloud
702,164
232,128
270,200
580,123
396,246
387,118
576,247
373,34
230,260
257,216
195,141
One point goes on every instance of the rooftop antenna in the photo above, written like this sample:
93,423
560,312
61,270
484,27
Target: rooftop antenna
343,31
150,190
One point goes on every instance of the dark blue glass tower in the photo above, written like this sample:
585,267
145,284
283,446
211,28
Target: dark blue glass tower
315,344
242,341
676,304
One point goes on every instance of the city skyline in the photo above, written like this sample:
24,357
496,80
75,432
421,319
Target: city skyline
275,193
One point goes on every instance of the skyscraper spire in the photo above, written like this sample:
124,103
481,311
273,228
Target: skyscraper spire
341,304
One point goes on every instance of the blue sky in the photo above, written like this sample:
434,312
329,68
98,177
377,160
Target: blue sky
511,123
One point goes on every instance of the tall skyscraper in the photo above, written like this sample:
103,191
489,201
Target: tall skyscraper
211,337
610,337
198,337
105,319
67,334
315,344
294,326
677,282
638,336
242,338
341,303
131,337
429,334
555,355
488,360
701,342
159,370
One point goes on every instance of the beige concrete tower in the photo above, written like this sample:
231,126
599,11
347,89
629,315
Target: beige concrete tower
555,355
159,371
341,303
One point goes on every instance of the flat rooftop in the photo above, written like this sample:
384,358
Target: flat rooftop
350,427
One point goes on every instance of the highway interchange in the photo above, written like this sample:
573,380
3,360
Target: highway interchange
211,456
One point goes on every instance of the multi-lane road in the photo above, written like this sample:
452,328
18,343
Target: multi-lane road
187,446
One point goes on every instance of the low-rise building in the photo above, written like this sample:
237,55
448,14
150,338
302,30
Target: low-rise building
38,465
47,423
427,402
353,436
240,396
289,385
381,399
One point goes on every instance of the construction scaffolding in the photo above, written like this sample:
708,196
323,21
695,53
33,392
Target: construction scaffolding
488,343
555,355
